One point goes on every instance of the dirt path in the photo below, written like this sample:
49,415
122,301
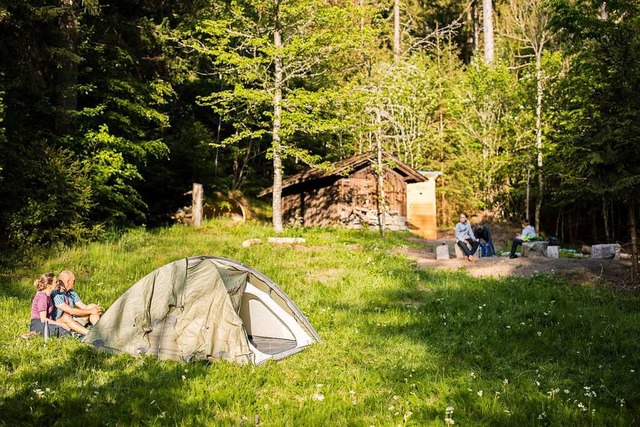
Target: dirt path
584,271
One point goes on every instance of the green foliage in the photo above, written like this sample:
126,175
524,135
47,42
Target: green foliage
401,346
53,206
599,121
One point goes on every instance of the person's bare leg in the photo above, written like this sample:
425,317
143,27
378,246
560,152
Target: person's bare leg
73,325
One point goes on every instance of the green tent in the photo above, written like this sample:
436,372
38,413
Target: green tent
206,308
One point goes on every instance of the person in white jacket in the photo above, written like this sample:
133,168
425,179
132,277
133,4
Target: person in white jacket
464,235
527,233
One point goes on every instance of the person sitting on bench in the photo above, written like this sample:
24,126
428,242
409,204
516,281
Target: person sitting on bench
528,232
464,235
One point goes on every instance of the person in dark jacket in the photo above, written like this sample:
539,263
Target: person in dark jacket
483,233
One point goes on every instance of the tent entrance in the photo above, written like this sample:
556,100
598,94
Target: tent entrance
271,330
270,345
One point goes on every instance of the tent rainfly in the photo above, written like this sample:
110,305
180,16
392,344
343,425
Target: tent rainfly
204,308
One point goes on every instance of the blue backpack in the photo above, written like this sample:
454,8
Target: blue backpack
486,250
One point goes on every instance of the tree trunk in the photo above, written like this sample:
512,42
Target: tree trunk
605,217
67,70
196,205
528,200
380,199
633,230
277,117
487,18
396,29
539,95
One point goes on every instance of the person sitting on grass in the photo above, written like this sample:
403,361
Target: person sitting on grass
464,235
528,233
67,302
42,309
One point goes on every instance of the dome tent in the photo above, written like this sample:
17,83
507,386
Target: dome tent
206,308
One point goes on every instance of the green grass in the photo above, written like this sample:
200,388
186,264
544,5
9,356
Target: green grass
400,346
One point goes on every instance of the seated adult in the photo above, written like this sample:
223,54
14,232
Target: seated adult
464,235
42,309
483,233
528,233
67,301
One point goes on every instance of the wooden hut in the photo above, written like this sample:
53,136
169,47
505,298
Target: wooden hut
347,194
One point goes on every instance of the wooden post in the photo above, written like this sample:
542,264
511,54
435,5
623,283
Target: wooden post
196,205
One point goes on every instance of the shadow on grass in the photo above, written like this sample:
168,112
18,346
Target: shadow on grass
94,388
514,347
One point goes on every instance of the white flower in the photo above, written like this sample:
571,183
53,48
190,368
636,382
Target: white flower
505,381
318,396
479,393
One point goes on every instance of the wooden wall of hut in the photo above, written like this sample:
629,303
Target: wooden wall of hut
345,200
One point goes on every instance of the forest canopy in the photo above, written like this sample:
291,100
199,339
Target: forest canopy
110,110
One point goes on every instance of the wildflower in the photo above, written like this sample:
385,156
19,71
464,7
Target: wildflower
542,416
318,396
581,406
447,419
472,374
566,391
391,408
352,392
539,333
505,381
480,393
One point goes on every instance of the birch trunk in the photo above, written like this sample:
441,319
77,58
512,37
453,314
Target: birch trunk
277,117
539,96
396,29
487,18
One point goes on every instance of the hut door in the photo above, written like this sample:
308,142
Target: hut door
421,209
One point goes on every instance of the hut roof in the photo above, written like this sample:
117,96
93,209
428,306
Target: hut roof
347,166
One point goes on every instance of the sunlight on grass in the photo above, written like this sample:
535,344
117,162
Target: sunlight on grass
400,346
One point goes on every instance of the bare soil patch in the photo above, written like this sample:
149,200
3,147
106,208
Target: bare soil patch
579,271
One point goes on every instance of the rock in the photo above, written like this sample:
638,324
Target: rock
606,251
533,249
442,251
250,242
286,240
553,251
460,254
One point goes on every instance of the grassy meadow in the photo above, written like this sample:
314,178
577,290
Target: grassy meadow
400,346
